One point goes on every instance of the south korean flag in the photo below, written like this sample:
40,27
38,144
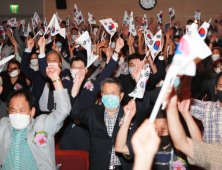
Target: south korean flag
140,88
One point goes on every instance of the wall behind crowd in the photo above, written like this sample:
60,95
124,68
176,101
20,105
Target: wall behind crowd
103,8
26,9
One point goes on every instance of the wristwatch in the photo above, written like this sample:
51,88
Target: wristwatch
115,52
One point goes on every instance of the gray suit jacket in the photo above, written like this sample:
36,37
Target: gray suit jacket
44,157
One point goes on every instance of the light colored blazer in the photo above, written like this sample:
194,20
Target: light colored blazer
44,157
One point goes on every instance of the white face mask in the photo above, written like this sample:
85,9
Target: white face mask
34,62
19,121
209,33
121,61
73,72
113,45
14,73
218,70
158,28
176,27
176,43
215,57
73,37
53,64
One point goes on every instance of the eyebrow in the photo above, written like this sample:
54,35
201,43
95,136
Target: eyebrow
15,108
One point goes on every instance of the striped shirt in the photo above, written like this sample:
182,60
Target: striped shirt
209,113
19,156
110,123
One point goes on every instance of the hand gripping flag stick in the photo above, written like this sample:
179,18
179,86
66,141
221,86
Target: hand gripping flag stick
129,110
171,72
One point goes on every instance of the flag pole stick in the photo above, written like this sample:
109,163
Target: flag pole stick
45,32
164,103
171,72
129,110
170,21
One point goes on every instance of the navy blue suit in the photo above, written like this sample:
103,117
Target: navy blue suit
39,80
76,137
35,76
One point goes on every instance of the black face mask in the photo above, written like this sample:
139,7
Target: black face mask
219,95
165,140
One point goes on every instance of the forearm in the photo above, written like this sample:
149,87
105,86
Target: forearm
121,139
178,135
192,126
171,50
140,48
143,162
165,51
130,50
75,89
152,64
58,84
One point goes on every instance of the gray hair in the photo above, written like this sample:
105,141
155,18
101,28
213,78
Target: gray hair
54,52
113,80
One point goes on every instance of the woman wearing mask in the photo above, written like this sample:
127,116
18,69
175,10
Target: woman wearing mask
15,82
34,64
216,54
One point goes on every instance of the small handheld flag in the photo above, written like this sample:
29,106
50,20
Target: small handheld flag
132,29
159,16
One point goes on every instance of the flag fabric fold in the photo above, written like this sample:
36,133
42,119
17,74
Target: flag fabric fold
155,44
159,16
132,29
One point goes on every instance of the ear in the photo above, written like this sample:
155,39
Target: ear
215,90
87,70
33,112
60,64
121,96
70,69
215,70
19,71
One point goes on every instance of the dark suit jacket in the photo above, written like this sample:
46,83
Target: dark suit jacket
36,77
77,137
101,142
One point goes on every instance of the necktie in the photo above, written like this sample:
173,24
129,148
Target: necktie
50,105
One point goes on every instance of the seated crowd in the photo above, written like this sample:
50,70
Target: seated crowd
40,100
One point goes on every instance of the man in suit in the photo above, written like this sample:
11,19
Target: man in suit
104,122
129,82
76,136
27,143
39,82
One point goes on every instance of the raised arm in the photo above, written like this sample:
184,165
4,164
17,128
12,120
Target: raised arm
42,58
145,142
177,133
55,120
121,139
183,107
140,47
30,73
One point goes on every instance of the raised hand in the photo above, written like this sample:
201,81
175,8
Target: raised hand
55,47
138,68
81,74
130,41
53,72
145,140
171,98
19,24
14,42
131,106
184,105
108,51
72,48
119,44
42,43
30,44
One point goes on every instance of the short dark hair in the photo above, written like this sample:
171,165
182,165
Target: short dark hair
31,34
54,52
190,20
4,22
113,80
161,114
78,58
63,22
29,97
217,78
14,61
134,56
216,21
74,29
